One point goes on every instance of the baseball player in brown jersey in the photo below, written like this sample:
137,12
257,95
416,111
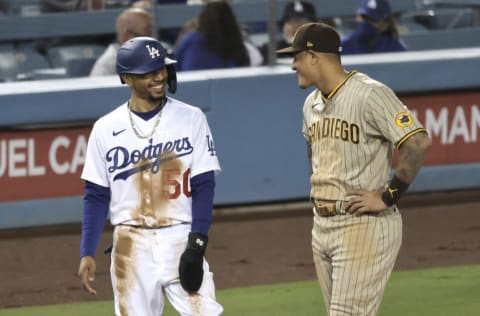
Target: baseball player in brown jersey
352,123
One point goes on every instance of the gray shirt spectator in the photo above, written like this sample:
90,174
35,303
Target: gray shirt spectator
106,63
132,22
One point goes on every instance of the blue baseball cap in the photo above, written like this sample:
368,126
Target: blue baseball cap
376,10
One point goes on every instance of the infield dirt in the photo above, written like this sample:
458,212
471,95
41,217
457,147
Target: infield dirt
258,245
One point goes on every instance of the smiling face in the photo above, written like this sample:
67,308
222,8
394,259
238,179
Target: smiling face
322,70
302,65
150,87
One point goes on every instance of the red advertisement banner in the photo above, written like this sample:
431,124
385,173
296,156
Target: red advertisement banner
42,163
47,163
452,120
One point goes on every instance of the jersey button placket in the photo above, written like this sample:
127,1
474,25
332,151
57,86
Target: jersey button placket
146,197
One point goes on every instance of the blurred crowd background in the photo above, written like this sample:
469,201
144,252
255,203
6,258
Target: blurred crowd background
45,39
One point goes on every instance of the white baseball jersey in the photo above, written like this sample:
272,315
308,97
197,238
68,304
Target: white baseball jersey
351,135
149,178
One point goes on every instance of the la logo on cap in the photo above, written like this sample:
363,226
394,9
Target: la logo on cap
309,44
152,51
372,4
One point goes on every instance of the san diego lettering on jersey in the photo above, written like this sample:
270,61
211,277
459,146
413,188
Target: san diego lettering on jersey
336,128
120,157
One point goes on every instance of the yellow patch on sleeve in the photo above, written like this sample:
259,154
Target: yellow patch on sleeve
403,119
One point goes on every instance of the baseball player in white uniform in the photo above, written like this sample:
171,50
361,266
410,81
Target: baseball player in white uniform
150,165
351,124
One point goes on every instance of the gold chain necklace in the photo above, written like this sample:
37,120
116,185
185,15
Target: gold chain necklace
137,130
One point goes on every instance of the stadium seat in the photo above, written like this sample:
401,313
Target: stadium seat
80,67
24,7
28,61
60,55
446,18
442,39
19,63
8,66
6,47
407,25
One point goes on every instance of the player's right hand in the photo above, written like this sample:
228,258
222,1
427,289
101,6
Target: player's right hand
86,273
363,201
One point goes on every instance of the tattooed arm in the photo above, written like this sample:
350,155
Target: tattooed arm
410,160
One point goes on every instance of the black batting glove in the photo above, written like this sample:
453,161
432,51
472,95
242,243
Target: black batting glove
190,269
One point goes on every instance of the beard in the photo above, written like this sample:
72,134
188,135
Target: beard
148,95
155,99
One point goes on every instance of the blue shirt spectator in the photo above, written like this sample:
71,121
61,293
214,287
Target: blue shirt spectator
295,14
375,30
191,54
161,1
215,41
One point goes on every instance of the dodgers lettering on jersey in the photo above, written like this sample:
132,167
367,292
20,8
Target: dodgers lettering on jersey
150,178
149,157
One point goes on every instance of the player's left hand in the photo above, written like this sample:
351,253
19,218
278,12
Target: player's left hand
363,201
191,263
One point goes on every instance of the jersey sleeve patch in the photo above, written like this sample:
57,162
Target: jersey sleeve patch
403,119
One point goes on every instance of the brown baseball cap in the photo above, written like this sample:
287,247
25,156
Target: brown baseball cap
318,37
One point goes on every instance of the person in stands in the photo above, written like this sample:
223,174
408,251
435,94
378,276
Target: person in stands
214,40
375,32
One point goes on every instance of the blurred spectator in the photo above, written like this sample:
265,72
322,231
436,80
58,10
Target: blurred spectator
375,31
166,34
295,14
214,40
146,3
49,6
4,6
43,45
132,22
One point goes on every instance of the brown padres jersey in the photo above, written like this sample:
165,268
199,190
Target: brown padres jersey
352,134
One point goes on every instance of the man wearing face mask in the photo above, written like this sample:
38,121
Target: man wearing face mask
295,14
375,32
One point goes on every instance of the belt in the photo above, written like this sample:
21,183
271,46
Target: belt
332,208
329,209
152,227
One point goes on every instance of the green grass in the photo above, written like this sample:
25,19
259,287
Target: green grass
433,292
454,292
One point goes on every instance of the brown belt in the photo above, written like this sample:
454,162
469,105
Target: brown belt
332,208
329,209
